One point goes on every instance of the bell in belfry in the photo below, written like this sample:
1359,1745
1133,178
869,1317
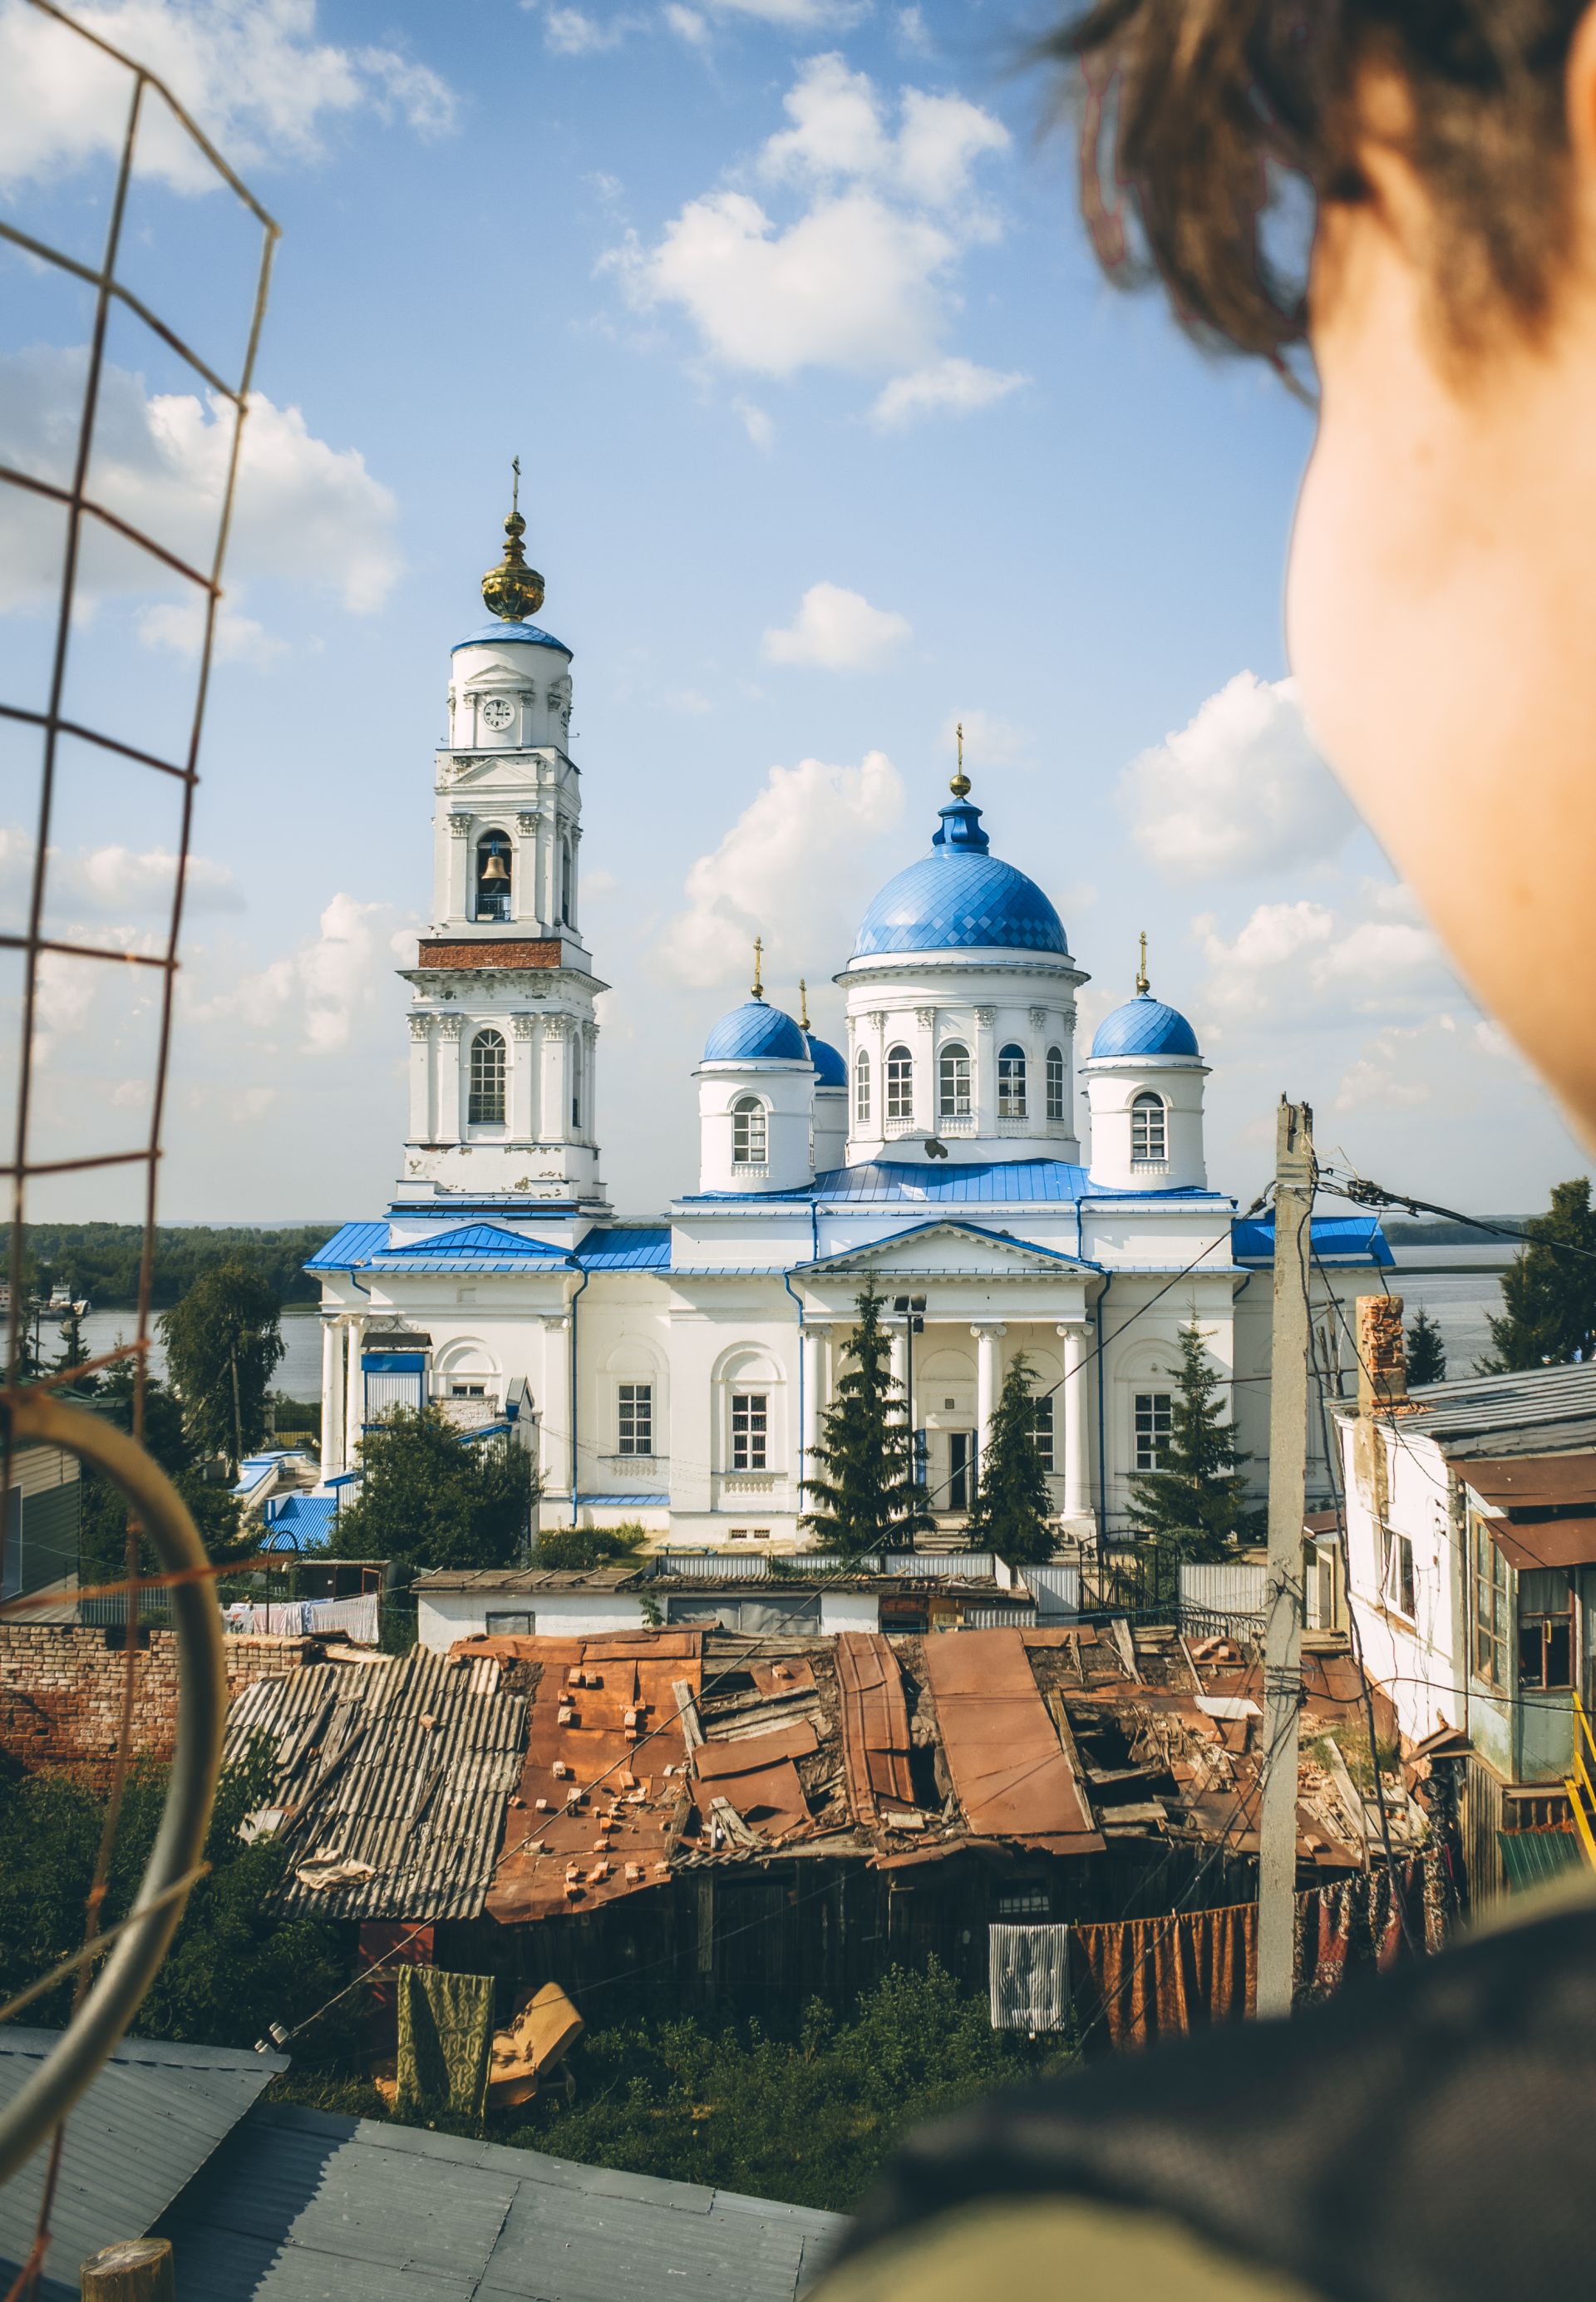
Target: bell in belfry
495,872
513,590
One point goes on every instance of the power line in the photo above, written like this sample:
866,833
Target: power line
1366,1194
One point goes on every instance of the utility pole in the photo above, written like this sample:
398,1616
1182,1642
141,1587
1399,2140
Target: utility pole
1294,1182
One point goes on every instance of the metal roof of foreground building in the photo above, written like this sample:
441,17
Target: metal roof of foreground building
149,2122
300,2206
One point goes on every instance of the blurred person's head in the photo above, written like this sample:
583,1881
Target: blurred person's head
1435,163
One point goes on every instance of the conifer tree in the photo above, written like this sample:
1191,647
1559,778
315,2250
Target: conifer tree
864,1494
1427,1352
1549,1293
1194,1507
1011,1503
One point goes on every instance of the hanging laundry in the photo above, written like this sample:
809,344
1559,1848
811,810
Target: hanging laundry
445,2026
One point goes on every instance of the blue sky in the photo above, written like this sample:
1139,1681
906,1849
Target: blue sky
831,434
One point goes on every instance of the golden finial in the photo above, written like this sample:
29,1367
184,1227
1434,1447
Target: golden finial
513,590
758,962
803,1004
960,785
1142,986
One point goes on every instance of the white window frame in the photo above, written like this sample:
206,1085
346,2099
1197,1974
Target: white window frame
749,1449
1149,1131
861,1088
750,1132
1011,1081
1045,1429
899,1083
1152,1423
497,1057
956,1081
1057,1077
1398,1583
635,1418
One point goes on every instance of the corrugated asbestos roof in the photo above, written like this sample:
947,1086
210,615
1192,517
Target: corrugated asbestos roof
151,2119
495,1580
1546,1410
304,2208
433,1750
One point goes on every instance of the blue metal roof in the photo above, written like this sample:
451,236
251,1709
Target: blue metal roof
646,1497
477,1239
960,898
1144,1026
756,1032
830,1070
299,1522
350,1246
984,1181
1336,1238
626,1248
510,635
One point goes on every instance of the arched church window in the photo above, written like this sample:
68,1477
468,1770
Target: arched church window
494,877
862,1089
1011,1082
1055,1083
1148,1137
953,1093
565,881
899,1083
749,1134
486,1106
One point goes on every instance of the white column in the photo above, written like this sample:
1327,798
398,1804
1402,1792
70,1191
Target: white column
985,1072
814,1392
557,1094
332,1398
354,1393
1075,1335
988,1378
421,1079
590,1082
524,891
449,1110
899,1361
524,1078
459,867
924,1044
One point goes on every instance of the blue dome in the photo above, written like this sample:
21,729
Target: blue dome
1144,1026
830,1070
508,633
960,898
756,1032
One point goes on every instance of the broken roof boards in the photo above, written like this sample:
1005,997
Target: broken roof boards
1009,1769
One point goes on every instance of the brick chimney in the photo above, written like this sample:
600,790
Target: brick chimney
1382,1356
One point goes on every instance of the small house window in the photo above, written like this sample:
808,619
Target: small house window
1055,1083
485,1107
494,877
637,1419
953,1101
749,1138
1396,1586
751,1427
1011,1082
862,1089
467,1391
1148,1137
1042,1429
1545,1628
899,1083
511,1624
1491,1618
1154,1426
1025,1903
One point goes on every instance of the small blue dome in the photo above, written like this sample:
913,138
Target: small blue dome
1144,1026
960,898
830,1070
756,1032
510,635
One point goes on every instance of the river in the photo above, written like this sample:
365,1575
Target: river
299,1376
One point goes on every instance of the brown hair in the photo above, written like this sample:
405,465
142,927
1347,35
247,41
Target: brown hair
1209,129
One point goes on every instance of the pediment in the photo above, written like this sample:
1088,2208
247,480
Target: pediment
948,1247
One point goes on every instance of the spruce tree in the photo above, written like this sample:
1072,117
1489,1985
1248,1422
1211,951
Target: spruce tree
1549,1293
865,1495
1011,1503
1194,1507
1427,1352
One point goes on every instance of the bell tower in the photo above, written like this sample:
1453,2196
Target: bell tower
503,1042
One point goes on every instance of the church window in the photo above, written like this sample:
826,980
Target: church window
1154,1426
1055,1083
751,1428
1011,1082
565,888
494,877
749,1138
1148,1137
486,1106
899,1083
1042,1429
862,1089
637,1419
953,1086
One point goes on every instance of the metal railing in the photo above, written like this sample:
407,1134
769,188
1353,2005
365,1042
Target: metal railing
1581,1784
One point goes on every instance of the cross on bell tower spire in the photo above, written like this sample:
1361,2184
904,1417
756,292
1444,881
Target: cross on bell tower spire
1142,985
759,957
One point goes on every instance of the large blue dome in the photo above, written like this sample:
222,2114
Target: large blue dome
830,1070
1144,1026
756,1032
960,898
506,633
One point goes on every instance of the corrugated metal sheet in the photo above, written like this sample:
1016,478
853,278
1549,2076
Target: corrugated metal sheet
301,2207
626,1248
1532,1857
1337,1239
1030,1977
1057,1590
999,1619
149,2121
1235,1590
351,1244
1044,1181
1547,1410
421,1795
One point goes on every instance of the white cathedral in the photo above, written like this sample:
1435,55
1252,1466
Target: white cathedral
674,1372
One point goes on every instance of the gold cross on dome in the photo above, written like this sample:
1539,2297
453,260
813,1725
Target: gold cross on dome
1142,984
759,960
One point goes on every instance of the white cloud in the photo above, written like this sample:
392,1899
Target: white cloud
687,24
178,626
948,387
756,423
990,741
108,882
914,34
316,999
837,630
775,873
840,130
568,32
1304,963
252,73
797,16
1241,788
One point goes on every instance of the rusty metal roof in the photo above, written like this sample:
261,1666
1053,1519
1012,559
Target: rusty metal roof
1010,1769
402,1764
494,1579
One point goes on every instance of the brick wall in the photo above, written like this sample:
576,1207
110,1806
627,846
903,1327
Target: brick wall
61,1692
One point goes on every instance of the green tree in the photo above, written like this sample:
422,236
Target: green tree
102,1536
1194,1507
426,1498
866,1496
222,1347
1427,1352
1549,1293
591,1546
1013,1506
